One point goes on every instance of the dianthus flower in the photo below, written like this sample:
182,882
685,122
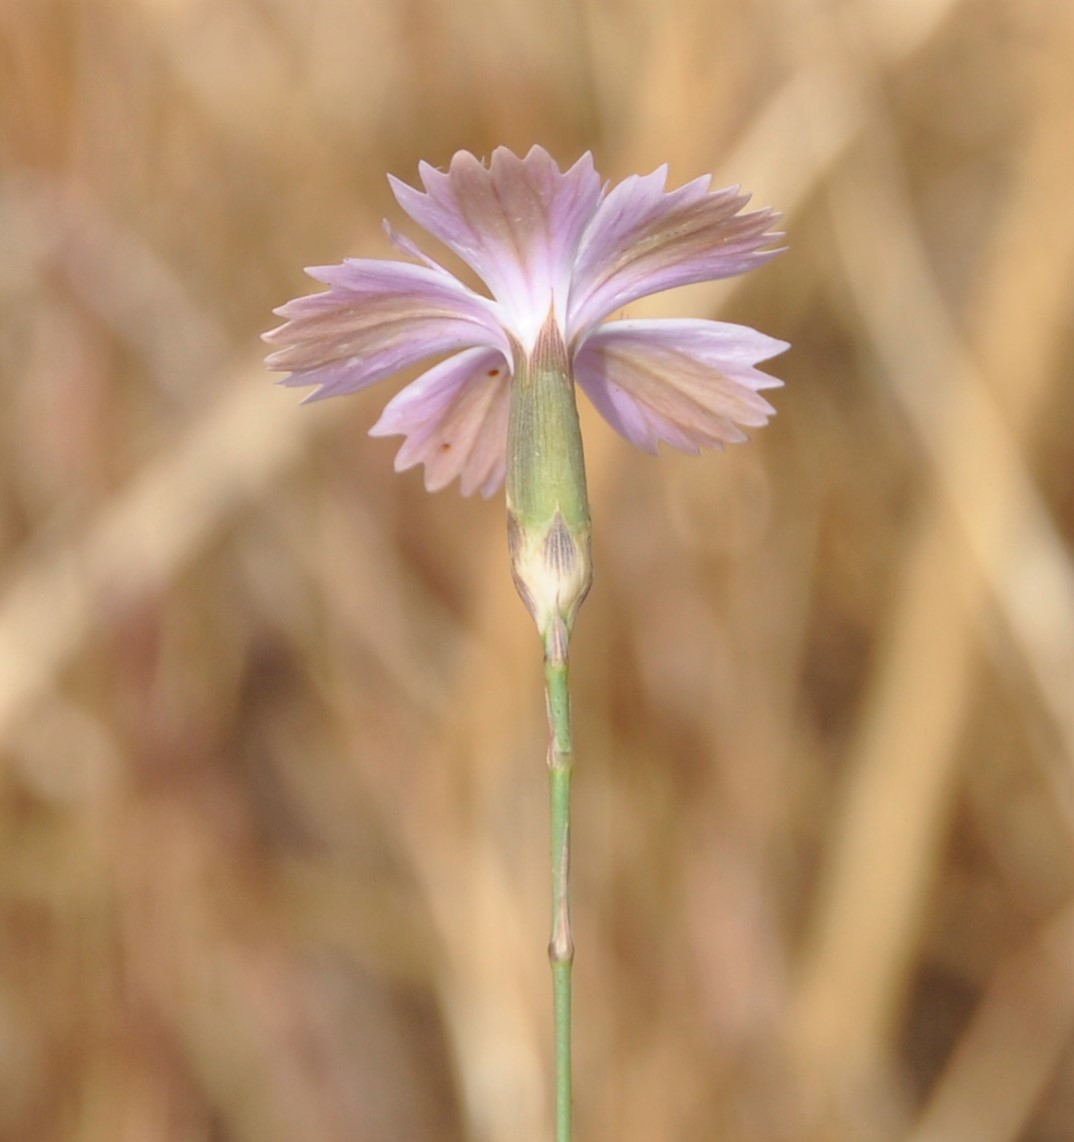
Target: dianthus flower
559,252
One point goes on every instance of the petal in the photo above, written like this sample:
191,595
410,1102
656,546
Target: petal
454,417
687,383
642,241
411,249
377,318
517,223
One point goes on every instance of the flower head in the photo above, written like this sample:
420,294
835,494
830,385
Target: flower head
557,251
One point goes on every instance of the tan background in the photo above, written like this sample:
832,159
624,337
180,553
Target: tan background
272,805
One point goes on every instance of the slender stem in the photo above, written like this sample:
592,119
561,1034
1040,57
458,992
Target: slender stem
561,945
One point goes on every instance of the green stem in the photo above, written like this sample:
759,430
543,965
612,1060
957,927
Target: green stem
561,945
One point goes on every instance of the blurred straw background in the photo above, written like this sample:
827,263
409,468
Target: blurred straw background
272,806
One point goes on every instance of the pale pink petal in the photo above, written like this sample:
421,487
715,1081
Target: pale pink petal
454,417
690,384
377,318
412,250
642,241
517,223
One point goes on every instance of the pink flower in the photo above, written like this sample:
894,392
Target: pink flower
550,246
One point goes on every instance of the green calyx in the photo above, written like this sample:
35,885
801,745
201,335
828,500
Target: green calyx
547,506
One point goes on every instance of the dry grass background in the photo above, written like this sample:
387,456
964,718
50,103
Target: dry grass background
272,807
